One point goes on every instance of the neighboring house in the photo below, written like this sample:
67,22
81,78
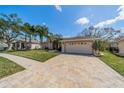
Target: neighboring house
3,46
22,45
77,45
121,47
118,44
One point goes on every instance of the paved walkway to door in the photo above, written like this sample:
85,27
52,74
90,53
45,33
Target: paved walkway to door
64,70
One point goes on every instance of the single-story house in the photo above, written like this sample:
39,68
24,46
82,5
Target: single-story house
118,44
77,45
22,45
121,46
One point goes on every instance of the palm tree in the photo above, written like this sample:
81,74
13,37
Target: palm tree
29,31
42,32
26,28
54,40
45,31
51,37
32,32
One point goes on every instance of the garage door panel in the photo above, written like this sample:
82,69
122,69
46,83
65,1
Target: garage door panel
84,49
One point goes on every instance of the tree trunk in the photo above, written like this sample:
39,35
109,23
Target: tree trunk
41,41
26,42
30,42
9,46
25,38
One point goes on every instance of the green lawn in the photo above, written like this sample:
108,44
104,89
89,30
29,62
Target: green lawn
8,67
39,55
115,62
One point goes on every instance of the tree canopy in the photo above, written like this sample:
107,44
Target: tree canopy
106,33
12,27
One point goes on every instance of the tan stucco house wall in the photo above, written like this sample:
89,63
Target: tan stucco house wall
121,47
35,46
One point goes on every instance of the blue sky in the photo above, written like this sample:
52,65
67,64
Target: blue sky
69,20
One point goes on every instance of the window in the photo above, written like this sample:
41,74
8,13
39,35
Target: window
81,43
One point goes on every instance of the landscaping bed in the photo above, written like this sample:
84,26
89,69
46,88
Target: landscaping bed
8,67
114,61
39,55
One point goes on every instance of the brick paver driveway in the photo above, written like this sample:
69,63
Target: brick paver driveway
63,71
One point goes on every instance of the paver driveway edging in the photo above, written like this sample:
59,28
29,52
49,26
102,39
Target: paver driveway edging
64,70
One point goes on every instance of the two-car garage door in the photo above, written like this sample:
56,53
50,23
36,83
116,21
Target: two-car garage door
83,48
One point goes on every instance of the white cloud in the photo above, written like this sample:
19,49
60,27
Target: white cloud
105,23
120,16
121,13
58,7
44,23
82,21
